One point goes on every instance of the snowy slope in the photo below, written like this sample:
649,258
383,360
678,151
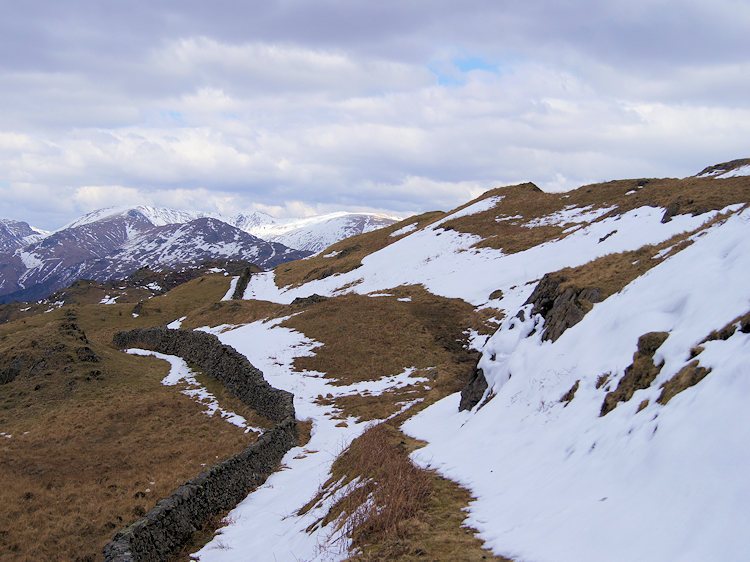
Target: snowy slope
448,265
733,169
266,525
157,216
553,479
559,482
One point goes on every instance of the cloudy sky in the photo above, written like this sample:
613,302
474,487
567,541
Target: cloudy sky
299,107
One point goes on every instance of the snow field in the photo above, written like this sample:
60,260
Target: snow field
557,482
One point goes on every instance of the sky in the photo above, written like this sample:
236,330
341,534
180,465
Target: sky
298,108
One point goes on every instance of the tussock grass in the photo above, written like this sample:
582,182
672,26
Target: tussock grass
392,509
611,273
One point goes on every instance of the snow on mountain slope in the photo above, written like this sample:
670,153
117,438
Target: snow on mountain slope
733,169
17,234
311,234
314,234
555,481
280,531
448,265
118,244
157,216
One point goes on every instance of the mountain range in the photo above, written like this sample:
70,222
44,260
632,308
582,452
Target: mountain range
112,243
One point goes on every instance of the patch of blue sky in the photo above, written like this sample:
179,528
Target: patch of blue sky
453,72
172,115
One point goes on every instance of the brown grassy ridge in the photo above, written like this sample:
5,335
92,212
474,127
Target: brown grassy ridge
366,338
348,253
397,511
692,195
88,438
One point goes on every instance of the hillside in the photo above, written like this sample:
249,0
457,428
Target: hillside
558,376
575,282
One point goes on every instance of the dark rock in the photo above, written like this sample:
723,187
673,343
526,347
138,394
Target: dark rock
672,209
561,306
473,391
347,251
85,353
312,299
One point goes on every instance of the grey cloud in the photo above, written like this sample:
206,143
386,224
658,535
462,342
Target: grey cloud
338,103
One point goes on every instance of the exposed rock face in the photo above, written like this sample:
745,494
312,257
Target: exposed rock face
174,519
472,393
561,306
672,209
640,374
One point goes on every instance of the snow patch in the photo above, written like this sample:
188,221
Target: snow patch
179,372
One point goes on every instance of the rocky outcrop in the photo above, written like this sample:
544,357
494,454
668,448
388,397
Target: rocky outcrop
472,393
174,519
638,375
561,306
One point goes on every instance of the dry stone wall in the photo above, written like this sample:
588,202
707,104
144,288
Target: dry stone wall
174,519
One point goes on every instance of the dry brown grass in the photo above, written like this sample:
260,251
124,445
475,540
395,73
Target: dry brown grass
396,510
611,273
349,253
89,438
366,338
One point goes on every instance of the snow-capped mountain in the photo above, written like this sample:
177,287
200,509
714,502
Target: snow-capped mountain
17,234
157,216
113,242
108,244
310,234
315,234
